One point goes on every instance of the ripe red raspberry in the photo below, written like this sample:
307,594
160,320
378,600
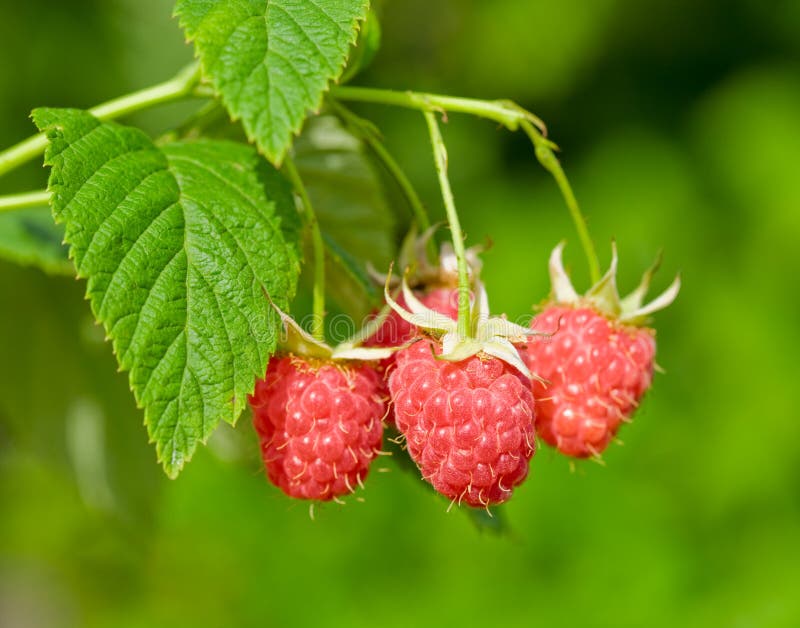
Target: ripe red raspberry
395,330
600,360
468,425
319,425
598,370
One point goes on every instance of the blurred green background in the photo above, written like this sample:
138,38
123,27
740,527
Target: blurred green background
679,122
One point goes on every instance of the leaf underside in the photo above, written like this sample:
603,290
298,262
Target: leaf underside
271,60
179,244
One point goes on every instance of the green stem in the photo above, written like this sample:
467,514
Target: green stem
507,113
201,120
440,158
546,156
24,200
504,112
318,248
182,85
366,131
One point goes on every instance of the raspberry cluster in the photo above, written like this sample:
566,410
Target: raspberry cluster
467,407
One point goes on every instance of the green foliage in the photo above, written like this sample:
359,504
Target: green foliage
346,190
180,245
29,237
348,275
271,60
674,137
367,46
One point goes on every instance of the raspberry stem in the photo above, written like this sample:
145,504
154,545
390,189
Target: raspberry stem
24,200
180,86
318,248
545,155
440,159
505,112
366,131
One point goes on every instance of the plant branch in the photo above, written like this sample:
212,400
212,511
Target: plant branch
318,247
181,86
24,200
370,135
544,153
505,112
440,158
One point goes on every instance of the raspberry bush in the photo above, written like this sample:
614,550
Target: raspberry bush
192,246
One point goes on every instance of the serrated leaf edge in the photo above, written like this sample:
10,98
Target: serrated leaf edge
277,159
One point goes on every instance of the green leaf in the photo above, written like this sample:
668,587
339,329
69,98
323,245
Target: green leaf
271,60
367,46
280,190
353,270
179,244
346,191
29,237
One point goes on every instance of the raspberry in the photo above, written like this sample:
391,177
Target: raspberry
468,425
319,425
598,370
599,361
395,330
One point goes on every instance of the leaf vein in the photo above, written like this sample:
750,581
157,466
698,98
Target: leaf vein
225,327
296,72
141,308
308,37
341,28
146,387
123,259
88,250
